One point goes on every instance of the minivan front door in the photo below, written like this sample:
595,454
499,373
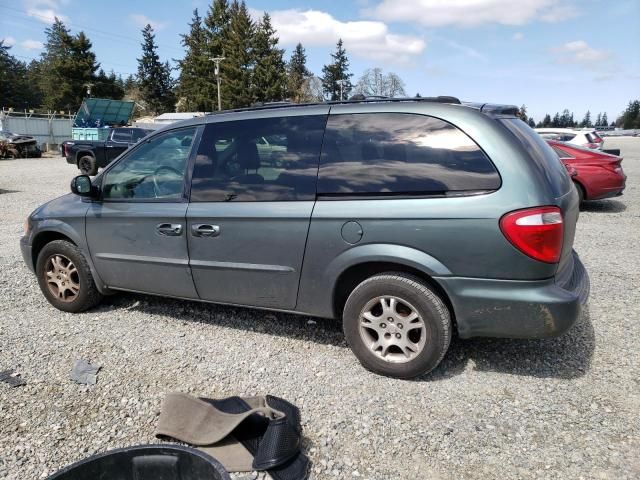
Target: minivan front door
137,231
252,195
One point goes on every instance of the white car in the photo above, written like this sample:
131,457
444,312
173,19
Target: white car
587,138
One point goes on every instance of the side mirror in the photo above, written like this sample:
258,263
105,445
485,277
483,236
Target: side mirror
81,185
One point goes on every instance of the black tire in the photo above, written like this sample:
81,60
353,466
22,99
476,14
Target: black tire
87,165
87,296
581,194
420,297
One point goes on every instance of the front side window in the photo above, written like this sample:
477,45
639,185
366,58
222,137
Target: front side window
269,159
153,170
397,153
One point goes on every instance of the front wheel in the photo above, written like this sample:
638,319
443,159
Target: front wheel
65,278
396,325
87,165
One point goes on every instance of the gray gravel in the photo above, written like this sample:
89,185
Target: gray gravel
562,408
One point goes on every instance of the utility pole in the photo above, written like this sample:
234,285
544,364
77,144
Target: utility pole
341,83
217,61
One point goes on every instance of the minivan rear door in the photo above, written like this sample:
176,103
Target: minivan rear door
252,194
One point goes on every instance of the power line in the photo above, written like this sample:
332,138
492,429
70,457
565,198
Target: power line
28,17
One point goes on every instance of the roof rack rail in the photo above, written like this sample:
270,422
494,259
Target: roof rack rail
376,99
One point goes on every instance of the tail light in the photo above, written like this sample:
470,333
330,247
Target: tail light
537,232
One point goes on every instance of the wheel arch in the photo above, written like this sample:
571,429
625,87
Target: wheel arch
49,235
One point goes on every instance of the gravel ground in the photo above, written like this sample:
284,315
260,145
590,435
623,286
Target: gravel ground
562,408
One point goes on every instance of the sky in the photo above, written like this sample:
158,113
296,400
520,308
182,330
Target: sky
547,54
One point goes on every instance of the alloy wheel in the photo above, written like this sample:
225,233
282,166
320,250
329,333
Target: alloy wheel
62,278
392,329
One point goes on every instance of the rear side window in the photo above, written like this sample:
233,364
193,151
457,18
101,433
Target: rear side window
548,163
397,153
258,160
121,136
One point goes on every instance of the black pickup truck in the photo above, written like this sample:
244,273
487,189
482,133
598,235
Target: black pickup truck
89,155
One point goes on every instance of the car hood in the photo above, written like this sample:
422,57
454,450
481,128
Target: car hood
21,139
69,205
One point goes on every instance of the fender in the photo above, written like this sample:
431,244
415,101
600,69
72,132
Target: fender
316,292
385,252
58,226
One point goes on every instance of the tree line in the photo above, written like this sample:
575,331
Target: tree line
254,70
629,119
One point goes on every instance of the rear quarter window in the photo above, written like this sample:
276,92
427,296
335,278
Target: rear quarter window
399,153
543,156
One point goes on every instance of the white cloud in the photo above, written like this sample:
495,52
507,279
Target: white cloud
468,51
31,44
46,15
518,36
470,12
369,39
580,52
8,41
142,21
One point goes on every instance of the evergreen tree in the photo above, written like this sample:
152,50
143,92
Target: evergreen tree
238,65
16,87
336,79
154,77
586,121
108,86
61,89
531,122
522,113
546,122
297,73
598,120
194,83
566,119
556,120
604,121
630,118
269,74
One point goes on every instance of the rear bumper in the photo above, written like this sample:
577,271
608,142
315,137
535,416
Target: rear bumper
518,309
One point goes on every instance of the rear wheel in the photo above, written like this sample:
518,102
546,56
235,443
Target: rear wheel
396,325
87,165
65,278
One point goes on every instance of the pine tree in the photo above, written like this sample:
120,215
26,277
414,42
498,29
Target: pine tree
194,83
556,120
336,79
238,65
269,74
598,120
531,122
604,121
522,113
154,77
546,122
16,88
56,85
108,86
586,121
297,73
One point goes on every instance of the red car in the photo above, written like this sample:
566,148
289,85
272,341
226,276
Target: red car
596,174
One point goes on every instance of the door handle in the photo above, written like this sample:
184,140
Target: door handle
205,230
169,229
